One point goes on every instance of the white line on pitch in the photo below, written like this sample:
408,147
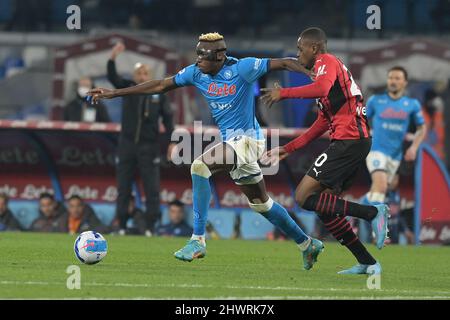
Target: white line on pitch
246,298
146,285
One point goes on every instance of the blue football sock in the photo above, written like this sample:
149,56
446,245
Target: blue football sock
281,218
201,196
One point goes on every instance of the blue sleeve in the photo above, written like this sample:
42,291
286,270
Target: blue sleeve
252,68
417,113
370,107
185,77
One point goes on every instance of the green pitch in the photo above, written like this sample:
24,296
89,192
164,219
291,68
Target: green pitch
34,266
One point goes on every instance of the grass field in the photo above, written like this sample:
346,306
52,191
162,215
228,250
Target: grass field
34,265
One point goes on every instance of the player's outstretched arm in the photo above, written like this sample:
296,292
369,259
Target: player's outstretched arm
290,64
318,89
148,87
314,90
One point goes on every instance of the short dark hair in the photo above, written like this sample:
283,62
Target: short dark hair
75,196
5,197
399,68
48,195
314,34
176,203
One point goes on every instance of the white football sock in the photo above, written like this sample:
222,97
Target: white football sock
304,245
200,238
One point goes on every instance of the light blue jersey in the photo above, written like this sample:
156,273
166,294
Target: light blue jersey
229,94
390,121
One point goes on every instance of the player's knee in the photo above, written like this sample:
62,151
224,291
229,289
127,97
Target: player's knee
300,198
380,187
379,182
199,168
261,207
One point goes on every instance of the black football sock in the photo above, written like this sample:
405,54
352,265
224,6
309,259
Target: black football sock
331,205
342,231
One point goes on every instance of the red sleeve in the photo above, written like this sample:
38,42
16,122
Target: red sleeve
318,128
325,69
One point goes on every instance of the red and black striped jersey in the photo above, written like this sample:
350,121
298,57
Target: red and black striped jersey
339,98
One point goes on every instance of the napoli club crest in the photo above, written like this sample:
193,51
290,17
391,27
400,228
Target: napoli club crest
228,74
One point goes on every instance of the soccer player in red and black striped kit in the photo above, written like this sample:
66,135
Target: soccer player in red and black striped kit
342,112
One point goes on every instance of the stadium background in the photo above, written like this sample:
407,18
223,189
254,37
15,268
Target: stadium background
40,60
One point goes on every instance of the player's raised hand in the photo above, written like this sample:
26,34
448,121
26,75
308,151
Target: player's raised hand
274,156
271,95
117,49
94,95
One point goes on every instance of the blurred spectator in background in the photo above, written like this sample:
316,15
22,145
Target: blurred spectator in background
80,217
136,222
311,115
434,118
50,212
211,231
406,225
393,200
139,141
80,110
7,220
441,15
30,15
177,226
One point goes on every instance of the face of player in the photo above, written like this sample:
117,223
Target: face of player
75,208
209,60
47,207
306,53
3,206
142,74
176,214
396,82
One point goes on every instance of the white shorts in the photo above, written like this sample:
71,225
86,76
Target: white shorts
377,160
248,151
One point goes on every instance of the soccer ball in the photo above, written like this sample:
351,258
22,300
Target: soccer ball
90,247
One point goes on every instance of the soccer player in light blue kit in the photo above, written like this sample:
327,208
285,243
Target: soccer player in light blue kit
391,114
227,85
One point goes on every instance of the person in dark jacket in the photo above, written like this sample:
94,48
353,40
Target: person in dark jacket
80,217
177,227
50,212
136,220
80,110
139,141
7,220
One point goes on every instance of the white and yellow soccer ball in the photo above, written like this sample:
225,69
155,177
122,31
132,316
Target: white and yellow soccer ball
90,247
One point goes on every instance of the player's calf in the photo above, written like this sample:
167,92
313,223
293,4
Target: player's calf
342,231
201,197
331,205
279,217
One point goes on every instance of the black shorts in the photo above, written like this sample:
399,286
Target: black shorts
338,165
